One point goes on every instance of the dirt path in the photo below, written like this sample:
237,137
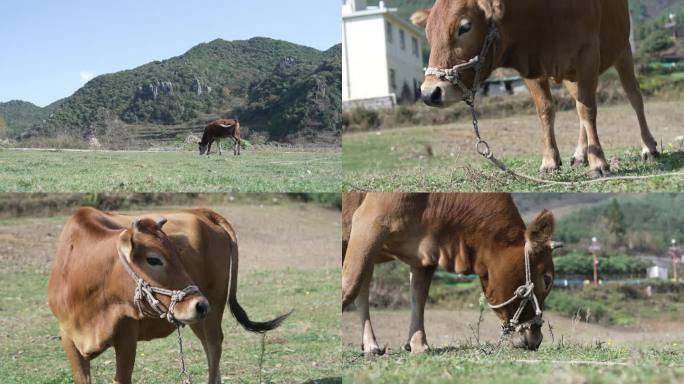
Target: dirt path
297,236
448,327
521,134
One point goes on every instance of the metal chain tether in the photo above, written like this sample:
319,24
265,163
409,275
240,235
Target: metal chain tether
184,375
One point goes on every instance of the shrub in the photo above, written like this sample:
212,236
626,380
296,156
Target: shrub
582,264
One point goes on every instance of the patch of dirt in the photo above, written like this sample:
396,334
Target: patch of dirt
447,327
297,236
521,134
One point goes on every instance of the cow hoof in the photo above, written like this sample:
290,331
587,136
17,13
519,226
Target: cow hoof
375,351
576,161
600,172
648,156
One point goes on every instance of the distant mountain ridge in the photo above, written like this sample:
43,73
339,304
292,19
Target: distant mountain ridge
210,80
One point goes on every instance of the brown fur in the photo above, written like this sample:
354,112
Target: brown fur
91,294
479,233
220,129
572,41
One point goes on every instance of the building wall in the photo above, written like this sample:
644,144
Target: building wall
364,62
407,66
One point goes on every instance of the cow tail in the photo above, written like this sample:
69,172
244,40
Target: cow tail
235,307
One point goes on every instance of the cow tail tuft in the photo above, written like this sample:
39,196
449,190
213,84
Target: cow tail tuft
235,307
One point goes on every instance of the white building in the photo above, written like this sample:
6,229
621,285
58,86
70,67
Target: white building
382,59
656,272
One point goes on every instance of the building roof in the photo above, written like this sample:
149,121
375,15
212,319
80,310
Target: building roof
384,12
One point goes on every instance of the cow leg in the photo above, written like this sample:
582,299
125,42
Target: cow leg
625,69
541,93
369,344
80,366
579,158
124,346
421,277
210,334
587,81
218,144
209,146
365,242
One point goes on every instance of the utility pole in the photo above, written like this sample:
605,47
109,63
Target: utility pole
594,248
674,253
672,25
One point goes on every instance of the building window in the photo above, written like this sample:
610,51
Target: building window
390,32
414,45
402,40
393,79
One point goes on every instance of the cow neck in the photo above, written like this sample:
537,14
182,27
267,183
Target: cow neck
144,295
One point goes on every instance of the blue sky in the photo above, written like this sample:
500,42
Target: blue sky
48,49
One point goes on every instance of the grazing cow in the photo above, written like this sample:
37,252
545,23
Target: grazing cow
573,41
469,233
117,279
220,129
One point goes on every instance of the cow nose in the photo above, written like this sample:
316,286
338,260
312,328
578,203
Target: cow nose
433,96
202,308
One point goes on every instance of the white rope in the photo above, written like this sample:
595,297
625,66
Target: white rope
526,295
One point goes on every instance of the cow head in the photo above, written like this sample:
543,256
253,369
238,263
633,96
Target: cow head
456,32
505,272
202,148
154,258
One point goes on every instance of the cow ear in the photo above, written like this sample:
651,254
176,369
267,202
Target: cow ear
493,9
124,245
540,230
160,222
420,17
136,224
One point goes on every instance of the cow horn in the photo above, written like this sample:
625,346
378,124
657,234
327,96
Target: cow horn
556,245
160,222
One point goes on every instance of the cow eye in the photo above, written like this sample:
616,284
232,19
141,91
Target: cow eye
154,261
464,27
548,280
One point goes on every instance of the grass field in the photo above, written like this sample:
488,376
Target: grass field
443,158
570,363
578,352
275,276
100,171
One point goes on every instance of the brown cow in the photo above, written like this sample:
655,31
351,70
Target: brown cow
572,41
217,130
105,260
469,233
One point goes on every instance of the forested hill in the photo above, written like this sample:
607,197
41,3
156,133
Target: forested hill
17,116
266,83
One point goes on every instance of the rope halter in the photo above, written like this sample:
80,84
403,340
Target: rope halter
526,295
145,300
453,75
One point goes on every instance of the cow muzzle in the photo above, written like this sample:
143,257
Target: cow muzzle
436,93
528,338
192,310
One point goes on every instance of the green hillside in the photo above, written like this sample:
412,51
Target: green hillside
645,222
210,80
17,116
